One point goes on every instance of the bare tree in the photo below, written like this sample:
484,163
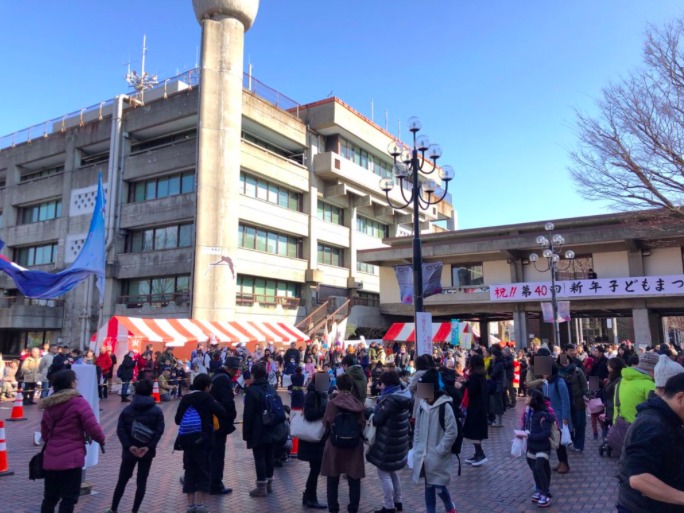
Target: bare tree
632,153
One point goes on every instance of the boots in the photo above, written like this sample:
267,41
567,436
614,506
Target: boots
311,501
269,485
563,468
260,490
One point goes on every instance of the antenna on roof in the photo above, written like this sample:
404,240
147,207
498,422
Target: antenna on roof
144,80
249,72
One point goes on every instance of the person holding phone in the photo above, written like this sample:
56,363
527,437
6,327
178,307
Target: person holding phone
315,403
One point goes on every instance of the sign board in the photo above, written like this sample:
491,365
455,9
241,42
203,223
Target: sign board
455,331
423,333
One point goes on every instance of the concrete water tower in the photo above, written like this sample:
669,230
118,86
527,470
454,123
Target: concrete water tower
224,23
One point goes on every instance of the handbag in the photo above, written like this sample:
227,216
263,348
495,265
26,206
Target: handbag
618,431
305,430
595,405
369,432
36,470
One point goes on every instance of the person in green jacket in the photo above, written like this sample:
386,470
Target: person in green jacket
635,386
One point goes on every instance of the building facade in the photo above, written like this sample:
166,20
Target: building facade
627,273
305,202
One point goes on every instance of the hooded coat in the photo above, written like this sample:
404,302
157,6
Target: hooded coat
432,444
66,421
391,417
634,388
559,395
144,410
337,460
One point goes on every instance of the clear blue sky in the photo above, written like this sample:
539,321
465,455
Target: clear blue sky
495,83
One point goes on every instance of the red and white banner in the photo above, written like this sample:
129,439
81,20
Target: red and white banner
405,332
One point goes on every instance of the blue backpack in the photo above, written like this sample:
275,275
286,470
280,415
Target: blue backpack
273,411
190,434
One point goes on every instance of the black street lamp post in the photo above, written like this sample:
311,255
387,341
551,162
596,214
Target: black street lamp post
551,250
408,165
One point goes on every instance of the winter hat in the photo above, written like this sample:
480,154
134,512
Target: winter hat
543,351
647,361
665,369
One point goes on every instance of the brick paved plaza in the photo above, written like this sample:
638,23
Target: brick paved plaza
501,486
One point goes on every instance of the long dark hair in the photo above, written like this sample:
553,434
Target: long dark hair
616,365
537,400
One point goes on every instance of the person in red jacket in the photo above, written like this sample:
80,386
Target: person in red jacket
67,420
104,362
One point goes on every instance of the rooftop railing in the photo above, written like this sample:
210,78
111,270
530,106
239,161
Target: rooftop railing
191,78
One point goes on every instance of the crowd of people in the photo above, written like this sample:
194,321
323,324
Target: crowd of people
406,409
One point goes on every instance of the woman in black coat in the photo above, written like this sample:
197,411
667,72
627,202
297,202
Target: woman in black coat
315,403
390,450
125,373
497,384
475,427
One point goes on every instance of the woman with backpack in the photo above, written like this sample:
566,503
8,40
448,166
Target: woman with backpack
141,425
256,433
343,452
537,424
390,449
557,391
476,425
432,441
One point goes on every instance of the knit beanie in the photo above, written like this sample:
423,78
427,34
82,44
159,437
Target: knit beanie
665,369
647,361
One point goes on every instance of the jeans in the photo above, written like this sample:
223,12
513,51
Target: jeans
312,481
431,499
541,471
44,389
124,389
354,493
218,457
263,462
64,485
579,427
391,488
128,463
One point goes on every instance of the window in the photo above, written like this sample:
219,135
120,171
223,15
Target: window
274,243
162,187
36,255
164,140
252,289
330,255
158,289
95,158
372,228
33,174
330,213
270,192
366,268
467,275
579,268
40,212
155,239
363,158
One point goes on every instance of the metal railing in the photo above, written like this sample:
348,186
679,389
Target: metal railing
310,320
10,301
190,77
289,303
337,315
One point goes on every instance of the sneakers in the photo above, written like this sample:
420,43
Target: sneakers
536,496
452,509
472,459
544,502
480,460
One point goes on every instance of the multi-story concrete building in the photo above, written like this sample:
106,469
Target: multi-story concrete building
307,200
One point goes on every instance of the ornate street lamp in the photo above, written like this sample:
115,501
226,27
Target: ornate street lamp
551,249
409,164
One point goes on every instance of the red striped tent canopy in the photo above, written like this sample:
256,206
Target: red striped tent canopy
406,332
137,331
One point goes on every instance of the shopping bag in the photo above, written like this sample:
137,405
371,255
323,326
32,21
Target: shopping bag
519,447
566,438
595,405
369,432
287,380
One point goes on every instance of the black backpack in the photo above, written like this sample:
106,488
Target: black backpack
345,431
460,422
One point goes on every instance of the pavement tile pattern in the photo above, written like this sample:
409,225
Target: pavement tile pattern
503,485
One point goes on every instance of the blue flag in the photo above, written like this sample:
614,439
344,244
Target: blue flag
90,261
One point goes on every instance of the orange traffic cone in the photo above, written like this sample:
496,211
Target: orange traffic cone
18,408
4,466
155,392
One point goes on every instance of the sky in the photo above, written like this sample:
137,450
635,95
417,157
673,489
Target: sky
496,83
